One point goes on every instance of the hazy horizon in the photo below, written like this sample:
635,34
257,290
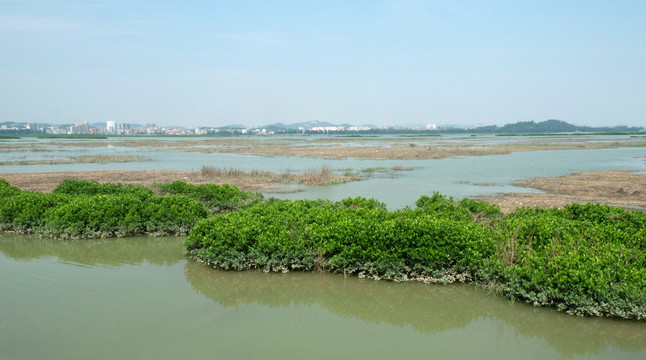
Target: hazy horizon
256,63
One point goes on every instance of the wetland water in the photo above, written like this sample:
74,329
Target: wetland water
455,176
140,298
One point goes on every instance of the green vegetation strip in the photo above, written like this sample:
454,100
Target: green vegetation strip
87,209
585,259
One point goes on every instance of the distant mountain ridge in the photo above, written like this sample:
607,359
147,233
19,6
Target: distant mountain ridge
303,125
550,126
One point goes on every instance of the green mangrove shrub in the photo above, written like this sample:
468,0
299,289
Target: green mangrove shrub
122,215
354,236
89,187
216,198
24,212
7,189
584,259
88,209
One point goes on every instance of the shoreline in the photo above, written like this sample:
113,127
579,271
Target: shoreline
624,188
253,181
397,148
621,188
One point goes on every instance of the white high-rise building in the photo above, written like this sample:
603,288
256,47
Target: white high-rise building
110,126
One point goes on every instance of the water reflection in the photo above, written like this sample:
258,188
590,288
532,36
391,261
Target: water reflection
135,291
429,309
95,252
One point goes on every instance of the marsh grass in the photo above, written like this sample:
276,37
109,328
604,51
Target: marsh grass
104,159
86,159
322,176
380,171
375,170
401,168
370,148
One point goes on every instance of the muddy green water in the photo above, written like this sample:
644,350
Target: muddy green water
140,298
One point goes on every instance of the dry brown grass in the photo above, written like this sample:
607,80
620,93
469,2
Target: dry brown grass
368,148
318,177
25,148
398,150
100,159
104,159
620,188
322,176
254,180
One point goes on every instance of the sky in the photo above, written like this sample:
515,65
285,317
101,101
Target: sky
215,63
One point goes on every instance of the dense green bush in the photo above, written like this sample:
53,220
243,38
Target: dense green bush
122,215
7,190
24,212
89,209
95,216
585,259
88,187
352,236
174,214
216,198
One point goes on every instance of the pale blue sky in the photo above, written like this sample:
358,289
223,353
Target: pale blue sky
212,63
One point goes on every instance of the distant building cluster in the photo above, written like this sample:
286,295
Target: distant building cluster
312,127
117,128
326,129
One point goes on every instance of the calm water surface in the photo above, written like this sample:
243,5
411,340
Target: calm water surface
140,298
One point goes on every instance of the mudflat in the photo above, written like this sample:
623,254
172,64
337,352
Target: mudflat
620,188
264,181
363,148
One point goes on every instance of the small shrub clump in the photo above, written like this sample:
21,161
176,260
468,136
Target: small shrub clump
85,187
216,198
122,215
24,212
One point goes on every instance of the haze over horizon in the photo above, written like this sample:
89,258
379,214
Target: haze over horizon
361,62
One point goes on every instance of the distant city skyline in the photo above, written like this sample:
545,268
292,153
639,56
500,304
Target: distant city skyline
195,64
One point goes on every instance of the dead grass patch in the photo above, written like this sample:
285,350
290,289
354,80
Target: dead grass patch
254,180
322,176
359,148
618,187
99,159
